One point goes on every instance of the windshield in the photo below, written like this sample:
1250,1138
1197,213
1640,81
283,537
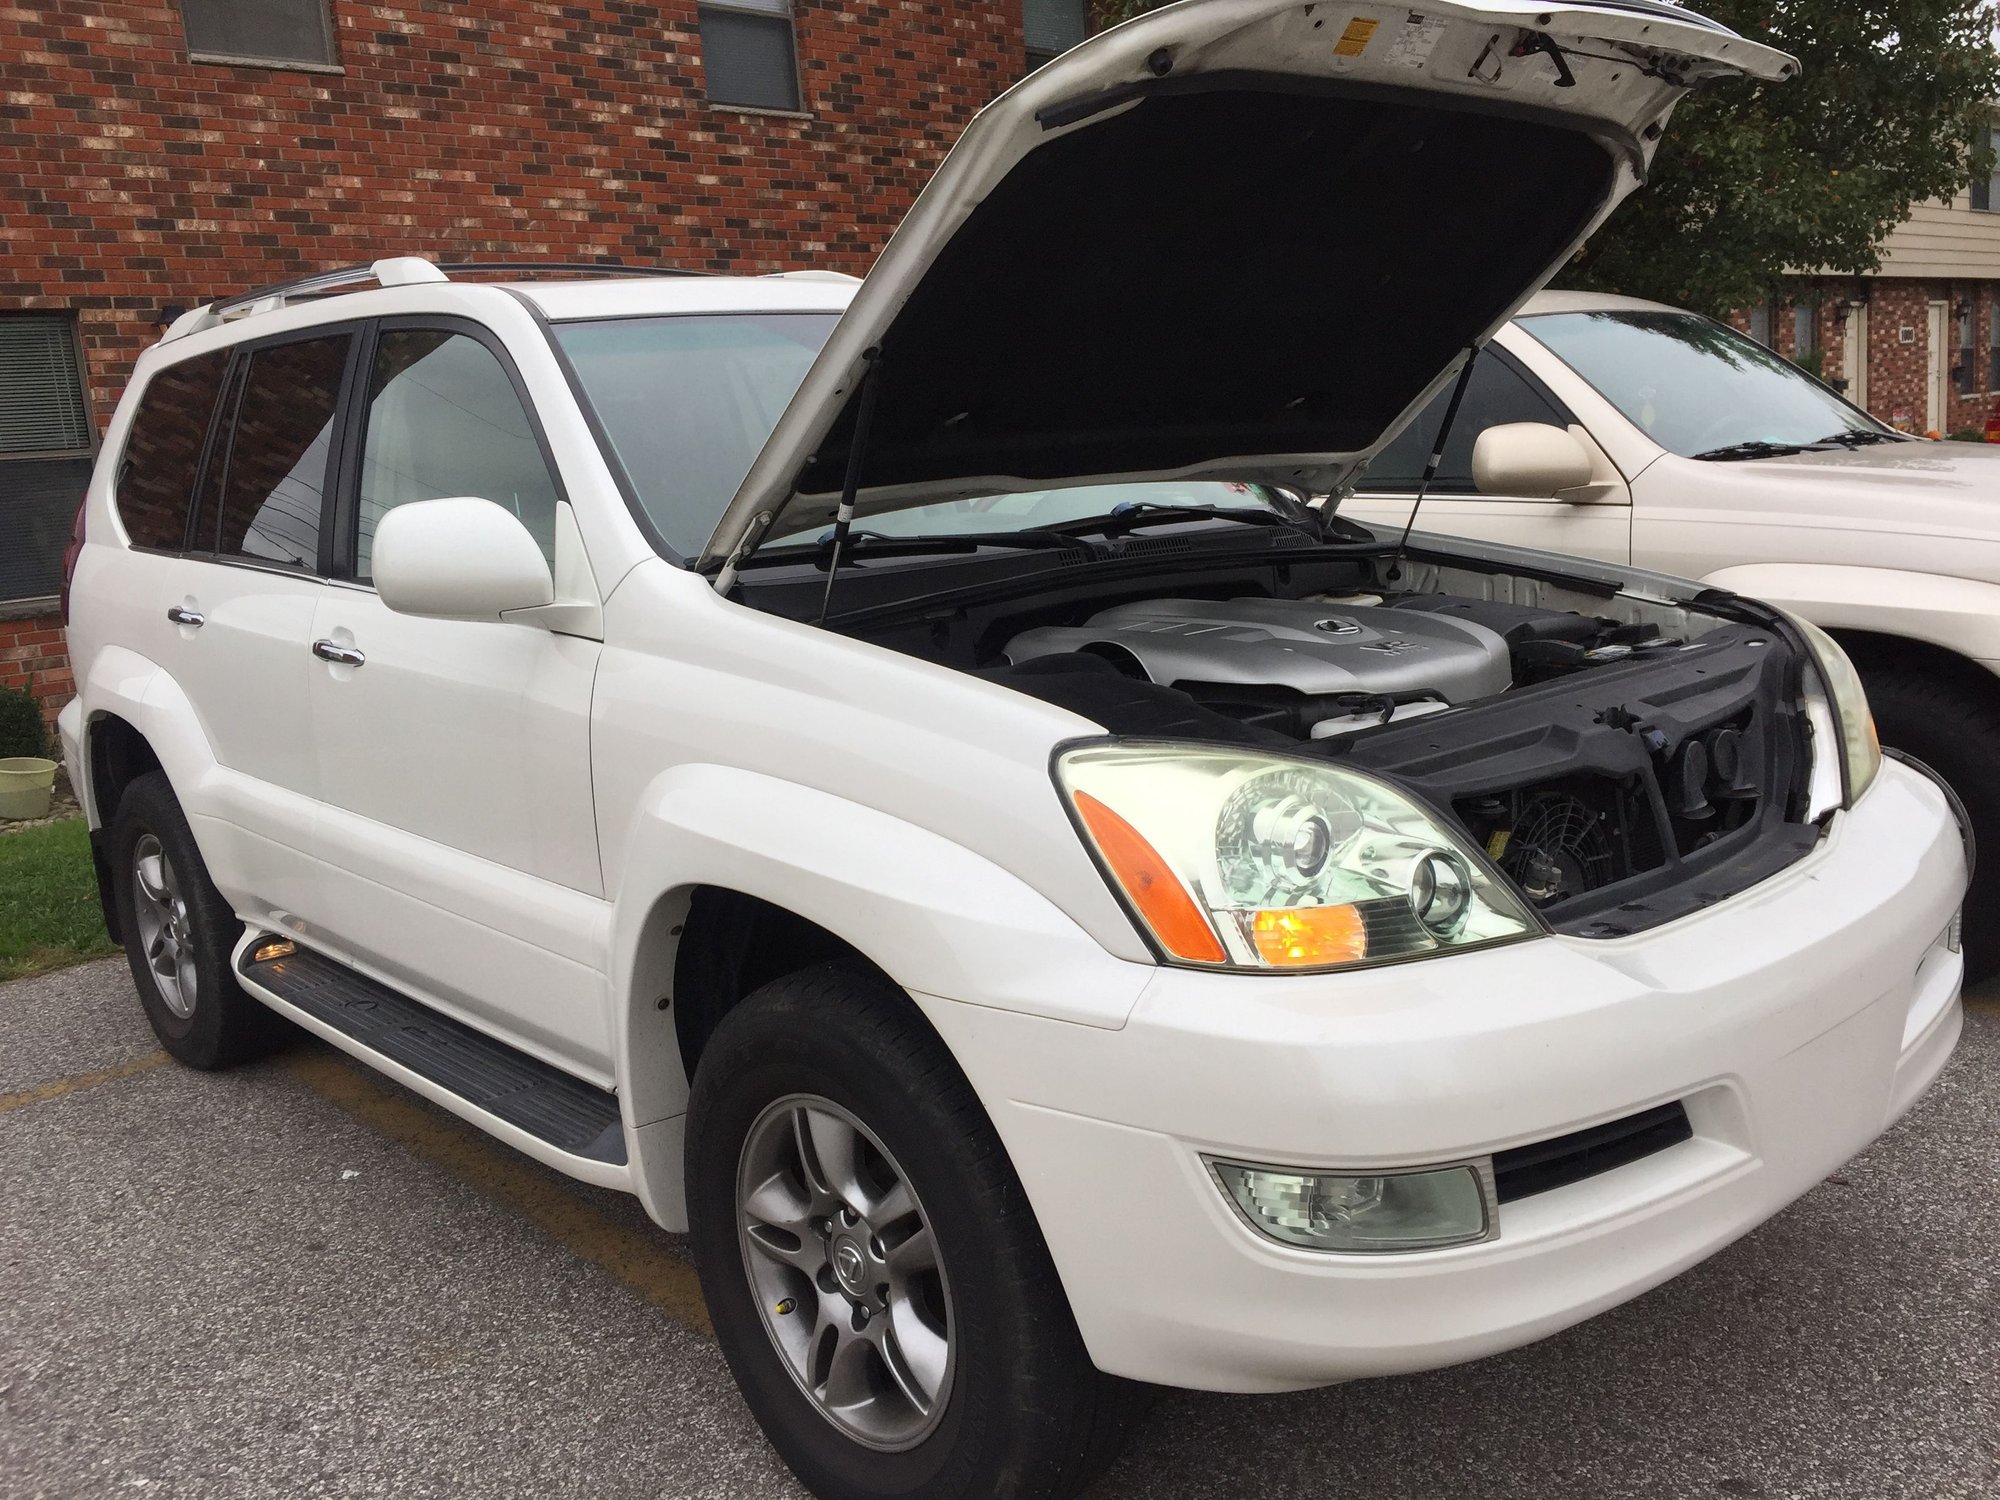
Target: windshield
1035,509
686,402
1696,387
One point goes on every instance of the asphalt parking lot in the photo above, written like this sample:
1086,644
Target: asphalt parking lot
297,1279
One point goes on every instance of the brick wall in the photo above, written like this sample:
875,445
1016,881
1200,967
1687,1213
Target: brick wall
1899,371
131,178
33,656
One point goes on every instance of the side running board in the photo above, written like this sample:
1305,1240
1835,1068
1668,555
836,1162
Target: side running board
565,1112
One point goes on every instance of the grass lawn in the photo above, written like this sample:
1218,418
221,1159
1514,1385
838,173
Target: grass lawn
48,900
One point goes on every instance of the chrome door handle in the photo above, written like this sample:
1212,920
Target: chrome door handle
182,616
346,656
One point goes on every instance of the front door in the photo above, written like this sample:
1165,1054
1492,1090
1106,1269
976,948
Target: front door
1937,384
454,756
1500,391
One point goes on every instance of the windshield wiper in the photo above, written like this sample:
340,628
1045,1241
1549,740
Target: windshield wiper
1856,437
1757,448
880,545
1136,513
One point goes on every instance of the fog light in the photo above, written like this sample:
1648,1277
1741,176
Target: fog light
1363,1212
1954,931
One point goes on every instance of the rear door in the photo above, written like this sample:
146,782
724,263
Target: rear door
237,610
1501,391
457,822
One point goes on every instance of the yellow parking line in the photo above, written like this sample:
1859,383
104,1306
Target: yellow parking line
539,1193
55,1090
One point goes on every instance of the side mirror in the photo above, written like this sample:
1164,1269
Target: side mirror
459,559
1530,460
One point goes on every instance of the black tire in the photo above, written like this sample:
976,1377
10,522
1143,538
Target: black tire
223,1025
1025,1414
1954,730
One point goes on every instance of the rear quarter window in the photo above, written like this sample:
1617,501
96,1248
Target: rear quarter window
162,458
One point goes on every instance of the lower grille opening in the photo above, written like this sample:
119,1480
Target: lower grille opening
1527,1170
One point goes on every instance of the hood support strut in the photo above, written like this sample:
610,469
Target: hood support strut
843,518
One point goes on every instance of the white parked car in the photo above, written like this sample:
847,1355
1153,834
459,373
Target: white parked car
894,776
1695,451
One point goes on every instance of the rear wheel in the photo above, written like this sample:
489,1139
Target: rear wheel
1956,732
179,933
874,1272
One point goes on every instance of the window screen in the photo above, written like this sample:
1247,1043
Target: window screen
259,31
750,53
45,438
1498,393
1983,197
42,408
156,473
1053,26
444,420
277,462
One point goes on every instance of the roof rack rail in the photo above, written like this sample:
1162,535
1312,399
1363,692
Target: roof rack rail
398,270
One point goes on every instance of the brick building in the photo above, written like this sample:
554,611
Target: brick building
1918,341
161,152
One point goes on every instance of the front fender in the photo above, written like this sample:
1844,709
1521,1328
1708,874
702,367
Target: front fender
1959,615
934,916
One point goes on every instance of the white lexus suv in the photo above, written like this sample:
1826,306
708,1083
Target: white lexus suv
900,777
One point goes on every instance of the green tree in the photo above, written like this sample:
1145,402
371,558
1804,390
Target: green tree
1891,108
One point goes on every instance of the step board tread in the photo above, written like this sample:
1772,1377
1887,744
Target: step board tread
524,1091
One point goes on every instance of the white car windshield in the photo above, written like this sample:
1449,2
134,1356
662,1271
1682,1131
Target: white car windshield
1700,389
686,402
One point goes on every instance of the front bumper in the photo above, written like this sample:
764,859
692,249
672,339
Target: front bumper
1794,1022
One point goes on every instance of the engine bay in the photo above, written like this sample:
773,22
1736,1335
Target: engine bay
1618,773
1622,759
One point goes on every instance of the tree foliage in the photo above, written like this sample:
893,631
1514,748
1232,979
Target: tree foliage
1752,180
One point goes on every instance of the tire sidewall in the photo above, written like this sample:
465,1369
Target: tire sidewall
731,1091
148,806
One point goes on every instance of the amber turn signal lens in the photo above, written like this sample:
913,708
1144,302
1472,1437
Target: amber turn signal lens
1154,888
1309,937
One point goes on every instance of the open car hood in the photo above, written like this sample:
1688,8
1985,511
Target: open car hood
1237,239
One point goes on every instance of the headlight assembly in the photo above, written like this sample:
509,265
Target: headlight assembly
1837,709
1236,859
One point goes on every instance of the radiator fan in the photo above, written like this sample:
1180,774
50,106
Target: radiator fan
1559,848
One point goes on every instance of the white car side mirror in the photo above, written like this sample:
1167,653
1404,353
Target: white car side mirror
458,559
1529,460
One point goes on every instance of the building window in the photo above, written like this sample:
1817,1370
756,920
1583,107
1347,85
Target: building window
1053,26
46,437
1805,335
1760,323
750,54
1985,193
1968,355
1993,342
263,33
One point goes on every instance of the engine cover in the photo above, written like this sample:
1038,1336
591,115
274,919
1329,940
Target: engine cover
1294,643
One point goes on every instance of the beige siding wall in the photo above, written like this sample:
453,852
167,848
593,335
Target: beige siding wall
1942,239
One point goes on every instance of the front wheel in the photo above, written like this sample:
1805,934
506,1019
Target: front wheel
871,1264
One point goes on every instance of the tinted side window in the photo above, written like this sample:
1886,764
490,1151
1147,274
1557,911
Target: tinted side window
162,456
444,420
1499,393
277,463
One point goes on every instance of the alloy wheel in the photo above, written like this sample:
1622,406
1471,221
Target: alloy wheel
846,1272
166,933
